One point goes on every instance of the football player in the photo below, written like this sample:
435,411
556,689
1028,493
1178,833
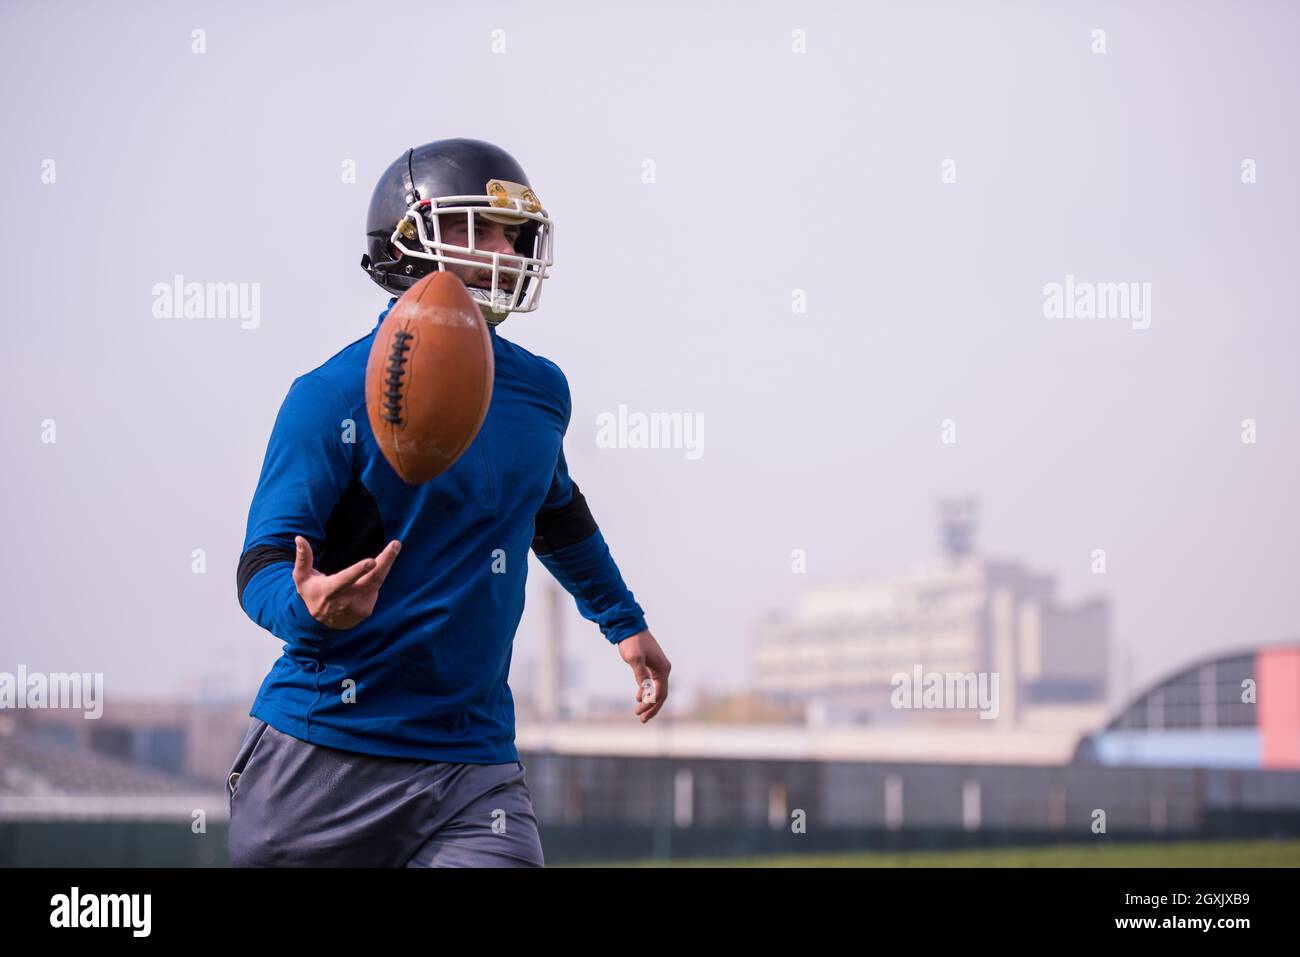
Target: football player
384,734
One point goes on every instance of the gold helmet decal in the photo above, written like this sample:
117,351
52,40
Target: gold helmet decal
508,195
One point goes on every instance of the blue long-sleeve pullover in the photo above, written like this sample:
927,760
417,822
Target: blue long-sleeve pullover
425,675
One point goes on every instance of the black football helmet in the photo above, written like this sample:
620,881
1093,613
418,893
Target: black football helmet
404,235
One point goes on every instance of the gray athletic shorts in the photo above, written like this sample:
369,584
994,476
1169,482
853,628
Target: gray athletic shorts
294,804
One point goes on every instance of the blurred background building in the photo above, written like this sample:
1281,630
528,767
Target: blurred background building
1239,710
966,614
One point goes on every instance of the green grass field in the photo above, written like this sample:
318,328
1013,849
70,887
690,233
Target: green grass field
1189,854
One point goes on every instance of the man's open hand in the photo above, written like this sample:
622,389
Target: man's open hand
648,661
347,597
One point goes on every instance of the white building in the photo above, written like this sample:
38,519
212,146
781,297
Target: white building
965,615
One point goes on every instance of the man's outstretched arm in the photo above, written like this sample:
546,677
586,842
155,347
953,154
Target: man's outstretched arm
308,466
569,544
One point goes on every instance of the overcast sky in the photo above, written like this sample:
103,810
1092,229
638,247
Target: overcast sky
774,171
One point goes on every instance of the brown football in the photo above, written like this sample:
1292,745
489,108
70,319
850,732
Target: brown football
429,378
